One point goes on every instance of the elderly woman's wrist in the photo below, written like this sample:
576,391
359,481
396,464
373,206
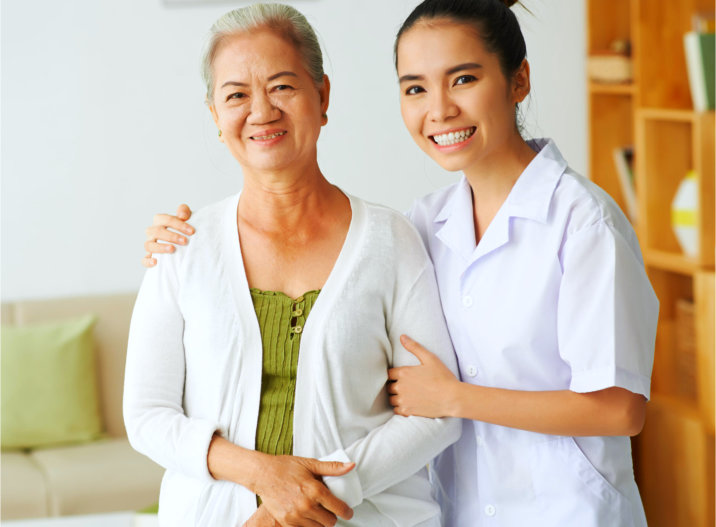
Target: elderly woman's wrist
229,462
256,471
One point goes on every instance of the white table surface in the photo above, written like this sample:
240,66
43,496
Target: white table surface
115,519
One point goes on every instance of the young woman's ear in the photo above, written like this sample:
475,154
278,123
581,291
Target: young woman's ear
521,82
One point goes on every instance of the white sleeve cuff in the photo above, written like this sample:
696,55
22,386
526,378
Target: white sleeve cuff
347,487
195,443
603,378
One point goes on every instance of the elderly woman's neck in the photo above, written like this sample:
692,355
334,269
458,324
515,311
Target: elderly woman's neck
285,200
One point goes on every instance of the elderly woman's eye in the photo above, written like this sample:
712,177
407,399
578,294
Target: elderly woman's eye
414,90
282,87
237,95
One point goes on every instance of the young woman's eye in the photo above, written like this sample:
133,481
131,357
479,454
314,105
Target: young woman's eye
465,79
414,90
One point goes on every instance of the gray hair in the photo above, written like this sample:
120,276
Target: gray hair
283,19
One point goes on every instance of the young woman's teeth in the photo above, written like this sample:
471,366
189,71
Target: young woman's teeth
267,137
452,138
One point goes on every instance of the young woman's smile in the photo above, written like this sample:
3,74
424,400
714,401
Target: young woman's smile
455,100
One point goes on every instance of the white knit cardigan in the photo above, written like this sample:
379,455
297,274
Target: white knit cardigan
195,359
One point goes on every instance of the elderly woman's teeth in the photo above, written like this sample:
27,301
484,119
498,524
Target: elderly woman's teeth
452,138
267,137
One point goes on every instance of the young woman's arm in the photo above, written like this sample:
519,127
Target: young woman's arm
431,390
159,231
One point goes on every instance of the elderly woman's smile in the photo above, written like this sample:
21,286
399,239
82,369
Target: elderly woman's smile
267,106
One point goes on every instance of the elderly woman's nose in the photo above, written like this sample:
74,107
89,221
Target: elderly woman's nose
263,110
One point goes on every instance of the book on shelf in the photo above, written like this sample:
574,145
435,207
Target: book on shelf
699,49
624,163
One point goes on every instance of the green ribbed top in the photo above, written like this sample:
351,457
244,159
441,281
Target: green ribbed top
281,320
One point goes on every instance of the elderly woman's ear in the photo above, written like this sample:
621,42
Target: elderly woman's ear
325,92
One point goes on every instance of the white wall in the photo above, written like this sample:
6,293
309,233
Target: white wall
103,124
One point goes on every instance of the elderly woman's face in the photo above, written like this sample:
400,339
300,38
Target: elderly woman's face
266,105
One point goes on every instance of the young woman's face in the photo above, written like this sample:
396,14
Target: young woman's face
265,103
455,100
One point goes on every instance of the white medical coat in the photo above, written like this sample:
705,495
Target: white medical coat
553,297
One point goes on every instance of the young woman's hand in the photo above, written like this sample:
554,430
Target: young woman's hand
422,390
292,492
261,518
160,231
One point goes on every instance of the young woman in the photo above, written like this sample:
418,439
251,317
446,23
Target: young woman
542,284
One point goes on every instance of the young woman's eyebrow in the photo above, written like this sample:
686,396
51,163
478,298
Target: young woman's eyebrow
465,66
409,77
450,71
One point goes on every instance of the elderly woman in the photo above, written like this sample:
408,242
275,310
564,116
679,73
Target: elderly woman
269,337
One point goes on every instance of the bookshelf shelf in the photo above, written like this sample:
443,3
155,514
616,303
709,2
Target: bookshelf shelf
612,89
667,114
674,454
676,262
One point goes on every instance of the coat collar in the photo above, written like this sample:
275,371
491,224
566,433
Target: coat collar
530,198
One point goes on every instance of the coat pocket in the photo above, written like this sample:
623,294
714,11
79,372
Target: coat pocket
570,491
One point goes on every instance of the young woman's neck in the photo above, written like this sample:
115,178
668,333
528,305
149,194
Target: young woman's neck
494,176
492,179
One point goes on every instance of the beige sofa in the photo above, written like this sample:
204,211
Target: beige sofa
100,476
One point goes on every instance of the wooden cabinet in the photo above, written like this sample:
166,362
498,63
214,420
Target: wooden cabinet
674,455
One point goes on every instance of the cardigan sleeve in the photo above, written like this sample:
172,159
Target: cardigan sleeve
154,380
402,446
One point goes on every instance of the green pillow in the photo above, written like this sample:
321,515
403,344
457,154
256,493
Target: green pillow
49,384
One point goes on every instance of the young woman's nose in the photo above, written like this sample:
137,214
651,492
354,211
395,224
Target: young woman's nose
263,110
441,106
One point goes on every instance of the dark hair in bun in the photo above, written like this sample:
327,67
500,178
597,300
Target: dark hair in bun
494,21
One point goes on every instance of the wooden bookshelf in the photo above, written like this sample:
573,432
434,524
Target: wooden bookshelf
674,454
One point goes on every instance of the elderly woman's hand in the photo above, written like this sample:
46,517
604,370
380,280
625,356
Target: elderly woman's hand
160,231
293,493
261,518
290,487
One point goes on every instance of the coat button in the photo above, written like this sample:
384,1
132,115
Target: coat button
490,510
471,370
467,301
297,329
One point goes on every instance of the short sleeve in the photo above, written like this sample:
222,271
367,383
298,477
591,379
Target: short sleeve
607,312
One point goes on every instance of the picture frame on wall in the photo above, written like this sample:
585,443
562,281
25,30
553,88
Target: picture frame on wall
202,2
236,3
